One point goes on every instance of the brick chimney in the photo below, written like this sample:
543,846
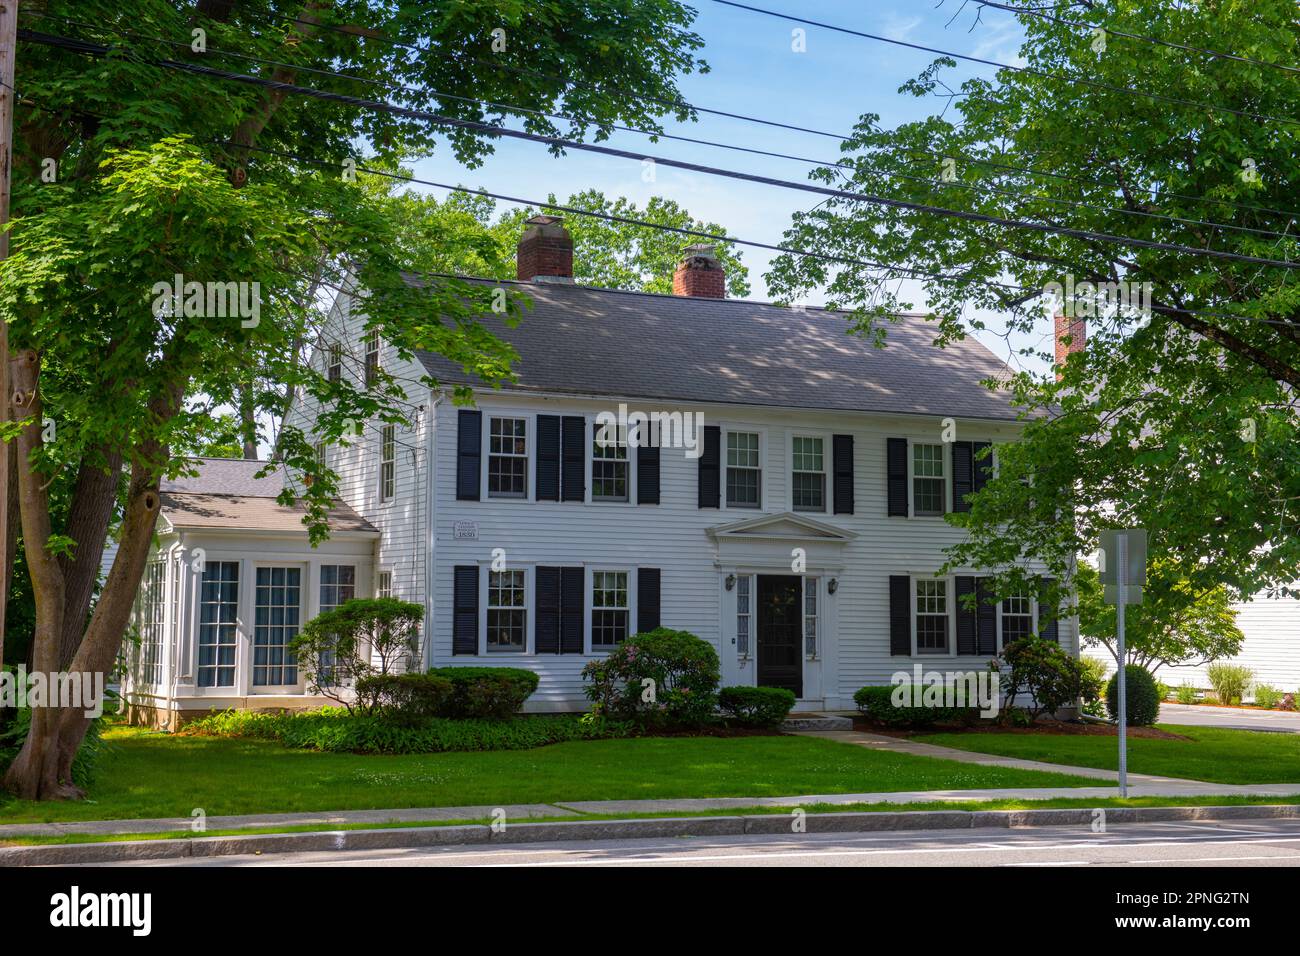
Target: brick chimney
545,251
1076,329
700,274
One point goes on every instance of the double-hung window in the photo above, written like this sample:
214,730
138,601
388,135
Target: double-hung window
808,468
387,462
931,616
384,588
929,482
372,357
1017,618
338,585
507,614
322,454
507,457
218,612
334,368
609,608
744,476
609,464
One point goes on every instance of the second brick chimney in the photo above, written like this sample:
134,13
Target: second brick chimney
700,274
545,251
1076,330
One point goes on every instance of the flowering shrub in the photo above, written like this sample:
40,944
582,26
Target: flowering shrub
658,679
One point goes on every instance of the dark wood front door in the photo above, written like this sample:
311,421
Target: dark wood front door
780,657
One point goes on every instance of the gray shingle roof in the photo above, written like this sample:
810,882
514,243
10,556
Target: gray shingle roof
225,494
601,342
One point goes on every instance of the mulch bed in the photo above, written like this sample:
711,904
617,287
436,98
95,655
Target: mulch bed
1049,728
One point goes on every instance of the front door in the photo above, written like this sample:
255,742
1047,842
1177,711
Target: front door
780,631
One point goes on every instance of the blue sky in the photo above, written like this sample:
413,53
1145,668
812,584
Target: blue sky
756,72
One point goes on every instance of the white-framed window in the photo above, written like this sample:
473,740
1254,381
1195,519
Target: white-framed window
338,585
609,608
507,457
153,610
744,471
808,473
507,611
384,586
322,453
371,343
277,614
218,614
334,366
1017,617
744,615
387,462
931,616
810,618
929,479
609,464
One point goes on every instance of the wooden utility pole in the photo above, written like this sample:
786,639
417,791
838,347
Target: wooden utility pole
8,55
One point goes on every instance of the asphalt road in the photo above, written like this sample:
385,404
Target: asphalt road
1244,843
1199,715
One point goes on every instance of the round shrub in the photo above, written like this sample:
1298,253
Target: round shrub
660,678
877,704
755,706
486,691
1143,697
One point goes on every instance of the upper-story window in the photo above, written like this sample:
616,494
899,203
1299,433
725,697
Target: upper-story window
609,464
507,614
334,369
507,457
931,616
372,357
384,588
609,608
929,480
387,462
322,454
1017,618
808,473
744,476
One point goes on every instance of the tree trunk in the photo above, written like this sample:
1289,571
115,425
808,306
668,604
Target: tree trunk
248,420
93,500
11,545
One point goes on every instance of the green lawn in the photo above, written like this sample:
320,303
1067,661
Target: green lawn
148,774
1212,754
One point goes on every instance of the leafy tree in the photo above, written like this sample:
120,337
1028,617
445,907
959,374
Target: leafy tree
361,638
1175,623
1179,421
162,172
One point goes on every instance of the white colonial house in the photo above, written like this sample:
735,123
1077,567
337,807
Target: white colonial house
795,520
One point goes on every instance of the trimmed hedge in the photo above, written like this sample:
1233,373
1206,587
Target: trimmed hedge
331,729
407,698
755,706
485,692
877,704
1143,699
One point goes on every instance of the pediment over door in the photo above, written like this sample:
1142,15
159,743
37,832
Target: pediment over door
788,525
769,541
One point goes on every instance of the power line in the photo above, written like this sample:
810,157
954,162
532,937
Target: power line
1110,87
682,105
1043,15
701,142
490,131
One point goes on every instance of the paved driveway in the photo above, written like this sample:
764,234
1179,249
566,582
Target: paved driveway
1277,721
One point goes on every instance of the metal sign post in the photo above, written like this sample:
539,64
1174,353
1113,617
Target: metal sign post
1121,556
1123,575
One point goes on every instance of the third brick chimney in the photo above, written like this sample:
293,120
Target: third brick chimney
700,274
545,251
1076,330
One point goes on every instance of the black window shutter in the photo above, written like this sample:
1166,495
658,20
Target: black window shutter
647,599
983,468
900,615
963,475
842,465
571,590
547,625
987,617
469,454
548,458
896,469
647,475
711,468
464,629
967,637
1047,615
573,482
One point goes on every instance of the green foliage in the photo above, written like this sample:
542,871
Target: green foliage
660,678
755,706
85,766
338,649
877,704
1143,700
334,730
1230,681
404,698
1266,695
486,692
1052,678
1095,674
1187,693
